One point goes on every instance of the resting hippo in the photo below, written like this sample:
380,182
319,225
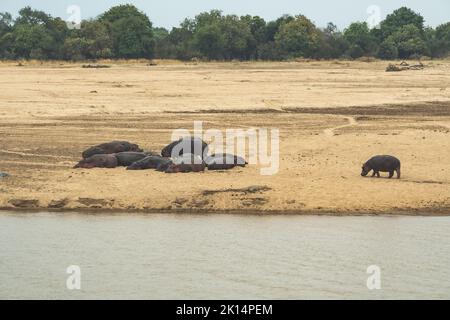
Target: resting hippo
185,145
184,167
127,158
187,162
111,147
383,164
224,161
152,162
98,161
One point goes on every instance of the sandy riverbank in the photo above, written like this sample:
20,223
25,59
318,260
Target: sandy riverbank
332,116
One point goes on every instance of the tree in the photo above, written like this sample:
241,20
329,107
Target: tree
130,31
298,38
209,41
361,41
442,36
398,19
332,43
388,50
409,41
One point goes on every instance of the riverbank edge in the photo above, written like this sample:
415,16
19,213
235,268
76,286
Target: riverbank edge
413,212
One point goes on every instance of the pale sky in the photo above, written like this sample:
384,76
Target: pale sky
169,13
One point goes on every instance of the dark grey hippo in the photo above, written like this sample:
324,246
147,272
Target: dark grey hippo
382,163
151,162
111,147
224,161
98,161
185,145
126,159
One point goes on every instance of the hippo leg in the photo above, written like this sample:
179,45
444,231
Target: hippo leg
377,173
374,173
391,174
398,173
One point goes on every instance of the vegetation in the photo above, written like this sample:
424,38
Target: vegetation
125,32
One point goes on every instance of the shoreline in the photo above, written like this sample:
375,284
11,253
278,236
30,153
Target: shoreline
405,212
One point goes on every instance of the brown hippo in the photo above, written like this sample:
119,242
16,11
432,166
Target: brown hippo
152,162
111,147
224,161
184,167
187,162
98,161
185,145
382,163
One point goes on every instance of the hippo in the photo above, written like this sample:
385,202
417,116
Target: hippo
126,159
185,145
188,158
151,162
98,161
184,167
224,161
382,163
111,147
187,162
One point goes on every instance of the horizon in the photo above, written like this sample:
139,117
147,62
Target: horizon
162,14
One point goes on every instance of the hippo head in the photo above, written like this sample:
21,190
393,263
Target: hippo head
173,168
85,163
365,170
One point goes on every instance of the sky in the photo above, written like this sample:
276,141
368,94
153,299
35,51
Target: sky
170,13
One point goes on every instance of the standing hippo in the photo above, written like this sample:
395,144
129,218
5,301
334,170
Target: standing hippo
151,162
125,159
224,161
98,161
382,164
111,147
185,145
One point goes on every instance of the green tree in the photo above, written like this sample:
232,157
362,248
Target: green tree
298,38
332,43
398,19
442,36
130,31
409,41
361,41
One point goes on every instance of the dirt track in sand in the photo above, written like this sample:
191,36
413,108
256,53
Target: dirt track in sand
332,116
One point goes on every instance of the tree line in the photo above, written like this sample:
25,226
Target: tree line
124,32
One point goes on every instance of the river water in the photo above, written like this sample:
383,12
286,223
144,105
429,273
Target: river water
223,256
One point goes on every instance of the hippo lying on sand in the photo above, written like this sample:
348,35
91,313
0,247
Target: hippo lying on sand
152,162
185,145
187,162
98,161
126,159
111,147
184,167
224,161
382,164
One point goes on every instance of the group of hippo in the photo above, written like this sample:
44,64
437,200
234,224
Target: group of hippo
173,157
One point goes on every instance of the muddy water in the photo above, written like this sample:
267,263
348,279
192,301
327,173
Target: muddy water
223,256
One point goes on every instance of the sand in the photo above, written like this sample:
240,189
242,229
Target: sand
332,117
